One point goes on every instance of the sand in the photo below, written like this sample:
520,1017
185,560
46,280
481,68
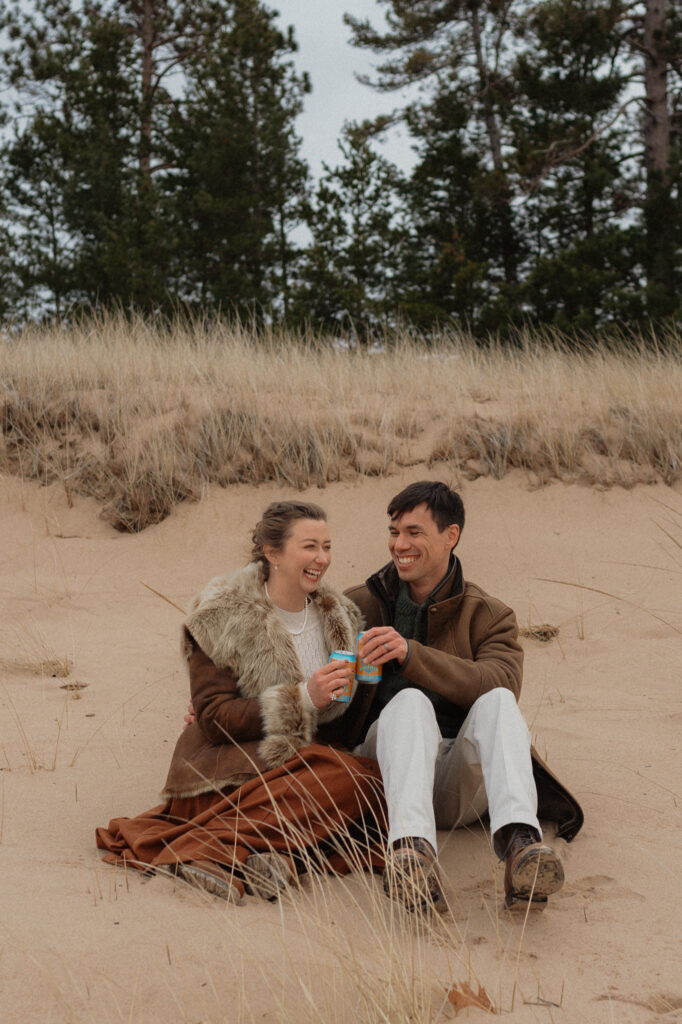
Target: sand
81,941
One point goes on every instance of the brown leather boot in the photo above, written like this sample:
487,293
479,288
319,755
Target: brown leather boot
268,874
411,876
533,871
213,878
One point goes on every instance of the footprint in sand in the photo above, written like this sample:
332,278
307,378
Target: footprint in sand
602,885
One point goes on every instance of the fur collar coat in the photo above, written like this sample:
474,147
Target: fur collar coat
245,681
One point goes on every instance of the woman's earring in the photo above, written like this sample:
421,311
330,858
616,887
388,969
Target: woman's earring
275,567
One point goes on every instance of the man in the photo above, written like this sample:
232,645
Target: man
444,723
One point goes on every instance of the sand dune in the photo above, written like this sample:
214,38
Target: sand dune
80,941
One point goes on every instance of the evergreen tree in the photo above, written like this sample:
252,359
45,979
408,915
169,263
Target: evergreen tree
34,187
136,122
596,146
10,290
548,185
458,52
79,182
239,183
348,276
575,156
459,209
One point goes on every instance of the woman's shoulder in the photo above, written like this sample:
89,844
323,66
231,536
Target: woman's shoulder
226,605
330,600
243,583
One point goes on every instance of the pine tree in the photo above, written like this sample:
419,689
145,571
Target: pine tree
597,149
348,275
139,123
10,286
239,183
458,53
548,185
572,137
86,221
656,34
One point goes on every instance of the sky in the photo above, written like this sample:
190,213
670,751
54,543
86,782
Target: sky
326,54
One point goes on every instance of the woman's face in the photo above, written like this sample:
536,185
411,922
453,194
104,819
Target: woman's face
304,557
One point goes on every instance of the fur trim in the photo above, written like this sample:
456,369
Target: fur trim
287,722
236,626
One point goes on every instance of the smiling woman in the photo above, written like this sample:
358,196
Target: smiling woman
251,797
300,553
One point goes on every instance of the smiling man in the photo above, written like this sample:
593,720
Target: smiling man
444,722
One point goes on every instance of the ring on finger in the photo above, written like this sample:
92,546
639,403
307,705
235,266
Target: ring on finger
386,646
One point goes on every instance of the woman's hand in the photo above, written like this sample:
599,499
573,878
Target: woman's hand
381,644
325,684
190,717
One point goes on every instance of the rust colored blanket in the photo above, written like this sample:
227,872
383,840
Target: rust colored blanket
312,805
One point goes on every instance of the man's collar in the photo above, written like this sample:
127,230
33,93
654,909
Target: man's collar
451,585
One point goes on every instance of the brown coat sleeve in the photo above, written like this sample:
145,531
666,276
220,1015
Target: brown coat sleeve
222,713
470,658
472,646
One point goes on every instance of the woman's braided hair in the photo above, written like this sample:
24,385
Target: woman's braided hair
276,526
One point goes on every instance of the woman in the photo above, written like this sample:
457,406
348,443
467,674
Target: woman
251,799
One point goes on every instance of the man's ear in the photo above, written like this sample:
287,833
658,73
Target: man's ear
453,535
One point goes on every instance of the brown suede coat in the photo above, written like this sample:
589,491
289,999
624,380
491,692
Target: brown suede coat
472,647
245,683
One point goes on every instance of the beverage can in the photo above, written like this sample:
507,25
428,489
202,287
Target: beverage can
365,673
345,695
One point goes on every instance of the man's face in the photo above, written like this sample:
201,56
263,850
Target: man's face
419,550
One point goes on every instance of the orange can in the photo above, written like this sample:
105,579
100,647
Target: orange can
365,673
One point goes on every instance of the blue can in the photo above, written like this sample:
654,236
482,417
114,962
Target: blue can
345,695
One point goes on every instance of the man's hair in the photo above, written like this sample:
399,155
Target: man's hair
444,504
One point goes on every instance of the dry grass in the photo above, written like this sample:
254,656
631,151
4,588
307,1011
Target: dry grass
143,417
27,649
544,632
344,953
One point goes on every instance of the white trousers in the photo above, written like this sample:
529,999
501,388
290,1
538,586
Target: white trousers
434,783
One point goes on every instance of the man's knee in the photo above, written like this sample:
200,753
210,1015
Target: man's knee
409,701
499,705
500,697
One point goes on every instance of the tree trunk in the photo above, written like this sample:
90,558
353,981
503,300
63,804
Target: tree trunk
502,200
147,36
656,119
488,106
284,259
659,214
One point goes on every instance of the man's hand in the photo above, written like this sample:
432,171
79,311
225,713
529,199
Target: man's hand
381,644
190,717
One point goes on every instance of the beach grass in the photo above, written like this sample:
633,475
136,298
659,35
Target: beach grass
143,416
339,950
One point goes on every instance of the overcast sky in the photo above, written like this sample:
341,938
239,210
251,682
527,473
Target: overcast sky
325,52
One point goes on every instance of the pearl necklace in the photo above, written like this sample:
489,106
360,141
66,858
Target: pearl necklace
293,632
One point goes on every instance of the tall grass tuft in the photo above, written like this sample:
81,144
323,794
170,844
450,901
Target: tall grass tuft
347,952
143,416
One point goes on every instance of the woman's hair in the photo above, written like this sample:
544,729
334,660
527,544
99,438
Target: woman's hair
276,526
